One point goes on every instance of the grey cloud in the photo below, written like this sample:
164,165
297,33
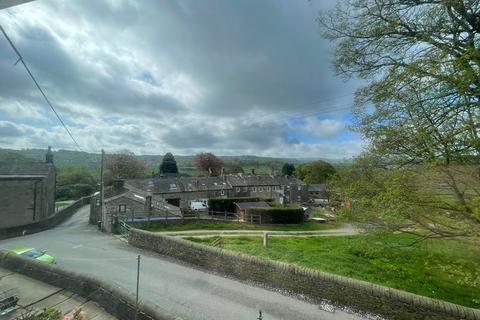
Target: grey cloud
10,129
233,59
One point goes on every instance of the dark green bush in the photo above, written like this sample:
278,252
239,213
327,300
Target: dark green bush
228,204
284,215
75,191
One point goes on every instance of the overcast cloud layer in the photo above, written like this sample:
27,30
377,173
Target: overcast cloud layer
229,77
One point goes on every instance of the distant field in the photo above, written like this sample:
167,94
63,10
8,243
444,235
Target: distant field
307,226
443,269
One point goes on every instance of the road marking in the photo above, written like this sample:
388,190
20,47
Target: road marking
77,246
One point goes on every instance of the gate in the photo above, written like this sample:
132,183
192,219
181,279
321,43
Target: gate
123,228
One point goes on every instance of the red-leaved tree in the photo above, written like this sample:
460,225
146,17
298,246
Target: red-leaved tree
207,162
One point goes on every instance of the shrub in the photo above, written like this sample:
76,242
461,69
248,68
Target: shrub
228,204
284,215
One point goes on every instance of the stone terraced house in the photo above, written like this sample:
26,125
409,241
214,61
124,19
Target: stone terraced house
181,191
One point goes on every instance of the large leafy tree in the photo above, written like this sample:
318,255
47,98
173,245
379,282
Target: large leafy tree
420,61
208,163
169,164
315,172
124,165
288,169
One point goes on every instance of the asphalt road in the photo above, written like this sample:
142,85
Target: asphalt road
183,291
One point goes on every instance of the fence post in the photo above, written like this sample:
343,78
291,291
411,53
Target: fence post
225,215
265,239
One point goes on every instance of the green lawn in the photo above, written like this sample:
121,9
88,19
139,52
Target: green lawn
215,225
443,269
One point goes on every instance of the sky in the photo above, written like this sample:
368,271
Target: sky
240,77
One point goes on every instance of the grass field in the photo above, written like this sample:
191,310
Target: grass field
214,225
447,270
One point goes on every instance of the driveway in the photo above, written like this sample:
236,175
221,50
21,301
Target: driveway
186,292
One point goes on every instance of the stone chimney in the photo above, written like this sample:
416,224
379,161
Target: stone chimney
222,171
148,203
49,155
118,184
209,172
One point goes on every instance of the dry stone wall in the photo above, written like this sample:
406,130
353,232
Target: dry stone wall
341,291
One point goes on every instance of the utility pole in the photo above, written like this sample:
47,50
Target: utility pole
102,193
138,281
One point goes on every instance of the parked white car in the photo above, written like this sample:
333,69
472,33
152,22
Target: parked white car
198,206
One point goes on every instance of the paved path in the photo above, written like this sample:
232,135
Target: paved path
345,231
181,290
35,296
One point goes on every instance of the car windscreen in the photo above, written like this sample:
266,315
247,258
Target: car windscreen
33,253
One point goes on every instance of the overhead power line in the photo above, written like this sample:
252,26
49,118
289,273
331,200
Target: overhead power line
20,59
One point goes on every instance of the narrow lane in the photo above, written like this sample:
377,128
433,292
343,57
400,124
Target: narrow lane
186,292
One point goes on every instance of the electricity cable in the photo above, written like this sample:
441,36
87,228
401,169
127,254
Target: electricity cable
20,59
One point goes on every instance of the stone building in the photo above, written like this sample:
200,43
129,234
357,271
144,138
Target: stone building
130,204
181,191
27,192
318,193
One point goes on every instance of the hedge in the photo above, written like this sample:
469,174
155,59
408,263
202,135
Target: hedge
278,214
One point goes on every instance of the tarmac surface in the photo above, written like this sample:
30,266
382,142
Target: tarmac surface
34,296
184,291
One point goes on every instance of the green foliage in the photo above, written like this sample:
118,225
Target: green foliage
442,269
228,204
416,199
288,169
169,164
315,172
75,182
46,314
124,166
278,214
15,157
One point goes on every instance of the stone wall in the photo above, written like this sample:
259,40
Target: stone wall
45,224
341,291
17,201
115,301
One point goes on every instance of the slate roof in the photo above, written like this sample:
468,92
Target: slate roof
256,204
204,183
140,197
243,180
317,187
192,184
18,169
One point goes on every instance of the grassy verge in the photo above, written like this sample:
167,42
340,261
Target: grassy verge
214,225
447,270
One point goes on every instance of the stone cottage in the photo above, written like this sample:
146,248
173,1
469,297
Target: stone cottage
181,191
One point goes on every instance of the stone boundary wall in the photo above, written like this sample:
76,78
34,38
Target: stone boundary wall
341,291
117,302
48,223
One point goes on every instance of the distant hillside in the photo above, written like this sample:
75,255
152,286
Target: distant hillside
64,158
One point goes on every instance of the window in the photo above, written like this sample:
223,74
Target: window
260,189
254,189
268,188
173,186
299,188
222,192
237,189
97,202
122,208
